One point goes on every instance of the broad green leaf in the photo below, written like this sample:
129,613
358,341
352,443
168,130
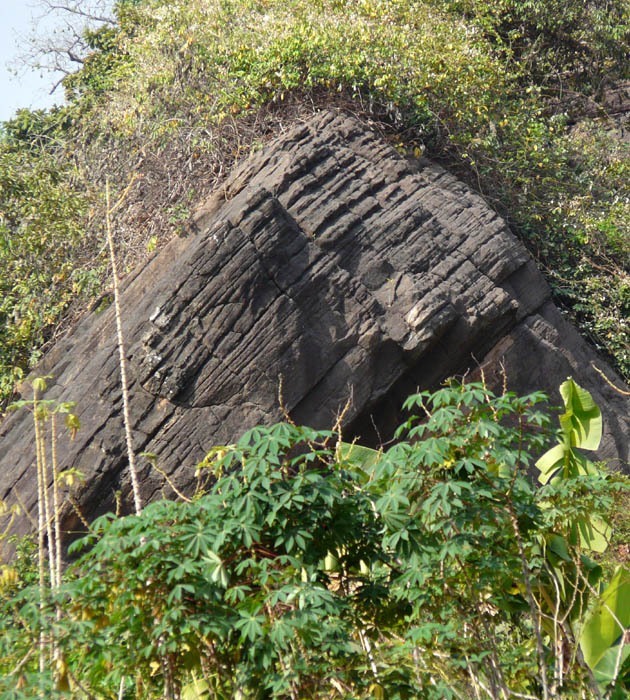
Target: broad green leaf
197,689
331,562
594,533
582,422
551,462
558,545
579,465
607,669
357,455
563,461
605,625
592,568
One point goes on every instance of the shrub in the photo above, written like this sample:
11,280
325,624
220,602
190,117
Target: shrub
179,90
314,568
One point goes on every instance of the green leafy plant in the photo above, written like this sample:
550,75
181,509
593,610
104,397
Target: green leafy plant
580,428
318,568
600,629
176,91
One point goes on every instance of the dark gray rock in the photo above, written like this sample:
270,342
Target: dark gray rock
327,268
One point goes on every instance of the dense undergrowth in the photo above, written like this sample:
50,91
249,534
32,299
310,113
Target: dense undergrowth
308,567
178,90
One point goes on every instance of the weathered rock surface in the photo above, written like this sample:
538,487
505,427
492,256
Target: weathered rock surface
330,265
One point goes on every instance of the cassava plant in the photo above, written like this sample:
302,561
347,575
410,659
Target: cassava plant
317,568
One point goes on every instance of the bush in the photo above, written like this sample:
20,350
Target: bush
314,568
43,214
179,90
560,44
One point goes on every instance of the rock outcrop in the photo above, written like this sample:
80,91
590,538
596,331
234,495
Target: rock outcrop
328,268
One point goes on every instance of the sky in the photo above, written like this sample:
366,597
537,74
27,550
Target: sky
29,88
19,20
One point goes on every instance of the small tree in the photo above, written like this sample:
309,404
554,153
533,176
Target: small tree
60,37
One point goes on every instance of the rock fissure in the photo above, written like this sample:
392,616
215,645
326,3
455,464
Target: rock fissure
327,260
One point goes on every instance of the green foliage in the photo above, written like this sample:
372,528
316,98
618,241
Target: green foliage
172,91
102,69
41,214
234,578
315,568
560,44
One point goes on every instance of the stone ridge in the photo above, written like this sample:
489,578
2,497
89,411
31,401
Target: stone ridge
327,268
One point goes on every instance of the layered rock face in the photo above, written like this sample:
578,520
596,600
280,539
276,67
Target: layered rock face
328,269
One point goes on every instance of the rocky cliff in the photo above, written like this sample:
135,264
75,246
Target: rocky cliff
327,269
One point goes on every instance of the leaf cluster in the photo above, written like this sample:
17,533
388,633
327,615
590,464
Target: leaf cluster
316,568
176,91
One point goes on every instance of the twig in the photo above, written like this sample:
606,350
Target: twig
283,408
121,350
610,384
169,481
77,509
25,510
22,662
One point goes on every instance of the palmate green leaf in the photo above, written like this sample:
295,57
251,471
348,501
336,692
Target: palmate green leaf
250,626
393,509
178,591
197,541
443,419
281,633
606,625
218,572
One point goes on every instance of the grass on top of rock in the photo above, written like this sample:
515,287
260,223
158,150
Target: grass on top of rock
177,91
